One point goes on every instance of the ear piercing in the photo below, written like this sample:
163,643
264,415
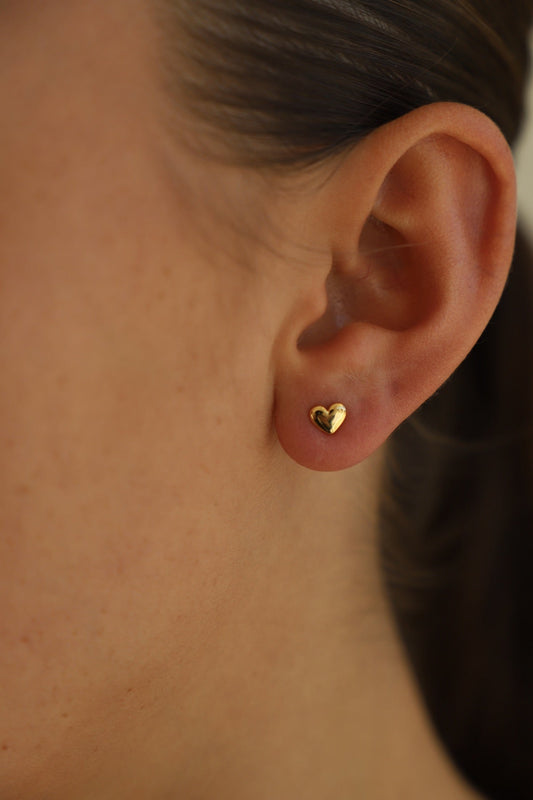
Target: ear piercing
328,420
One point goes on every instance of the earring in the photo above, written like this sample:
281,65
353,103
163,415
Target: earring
329,420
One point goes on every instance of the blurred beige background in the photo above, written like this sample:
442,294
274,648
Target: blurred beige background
524,162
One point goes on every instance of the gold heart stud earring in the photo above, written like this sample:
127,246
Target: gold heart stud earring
329,420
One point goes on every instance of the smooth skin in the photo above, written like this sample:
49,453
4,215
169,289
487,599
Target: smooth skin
191,601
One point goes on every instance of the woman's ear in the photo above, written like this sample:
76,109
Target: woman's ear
419,223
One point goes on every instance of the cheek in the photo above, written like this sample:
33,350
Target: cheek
128,420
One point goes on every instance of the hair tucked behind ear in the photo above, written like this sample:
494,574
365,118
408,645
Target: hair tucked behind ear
290,83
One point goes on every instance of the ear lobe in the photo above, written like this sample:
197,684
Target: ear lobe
418,259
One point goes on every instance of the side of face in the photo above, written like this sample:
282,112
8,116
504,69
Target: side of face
161,347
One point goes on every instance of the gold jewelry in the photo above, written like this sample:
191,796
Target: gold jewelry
329,419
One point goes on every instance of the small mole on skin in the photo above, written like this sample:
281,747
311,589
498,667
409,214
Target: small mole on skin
5,747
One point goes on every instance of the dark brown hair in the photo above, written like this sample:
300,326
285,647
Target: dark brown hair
280,84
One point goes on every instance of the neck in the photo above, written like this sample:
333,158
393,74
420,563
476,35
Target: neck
301,688
316,698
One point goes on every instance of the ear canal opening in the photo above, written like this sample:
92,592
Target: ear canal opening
336,316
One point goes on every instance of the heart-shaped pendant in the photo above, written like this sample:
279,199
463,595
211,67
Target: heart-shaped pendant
329,419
